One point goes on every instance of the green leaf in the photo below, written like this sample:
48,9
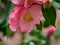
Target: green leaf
9,10
9,7
9,32
39,27
56,4
47,41
1,43
57,34
50,15
3,28
42,37
23,43
35,32
57,1
46,24
34,42
2,11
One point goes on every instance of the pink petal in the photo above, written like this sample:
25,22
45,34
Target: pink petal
21,2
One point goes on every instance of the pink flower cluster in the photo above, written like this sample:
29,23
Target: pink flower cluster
25,15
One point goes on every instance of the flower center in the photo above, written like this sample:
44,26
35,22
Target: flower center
28,17
30,1
47,5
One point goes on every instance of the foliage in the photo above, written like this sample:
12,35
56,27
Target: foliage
49,15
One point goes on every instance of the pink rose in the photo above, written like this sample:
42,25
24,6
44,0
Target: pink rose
49,30
28,3
25,19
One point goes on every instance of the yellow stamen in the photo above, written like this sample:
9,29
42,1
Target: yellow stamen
28,17
30,1
47,5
